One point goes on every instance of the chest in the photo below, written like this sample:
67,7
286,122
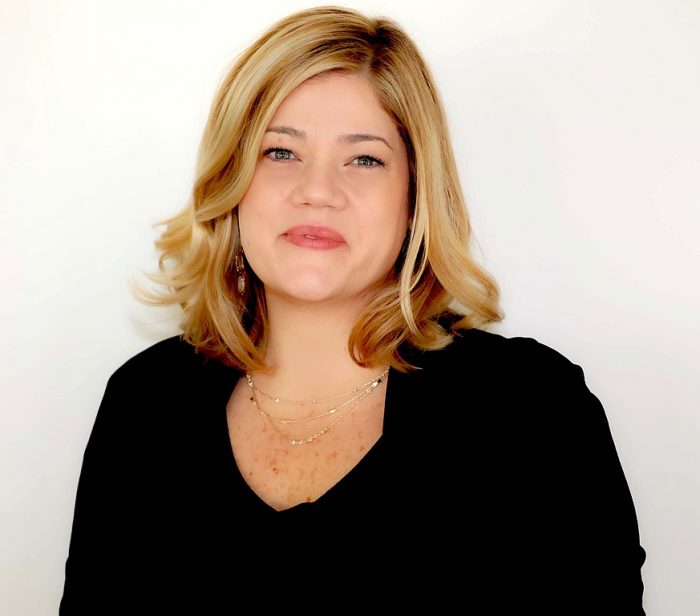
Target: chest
284,475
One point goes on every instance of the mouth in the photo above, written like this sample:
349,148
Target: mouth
311,236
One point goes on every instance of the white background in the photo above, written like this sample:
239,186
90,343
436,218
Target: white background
577,132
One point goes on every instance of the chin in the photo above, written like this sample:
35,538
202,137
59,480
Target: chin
313,296
306,291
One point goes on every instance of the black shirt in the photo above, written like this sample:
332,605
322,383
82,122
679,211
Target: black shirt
513,501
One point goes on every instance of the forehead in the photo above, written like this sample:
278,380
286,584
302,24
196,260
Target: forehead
334,100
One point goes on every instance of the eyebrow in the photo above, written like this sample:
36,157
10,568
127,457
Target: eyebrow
342,139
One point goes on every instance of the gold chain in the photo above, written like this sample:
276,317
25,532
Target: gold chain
303,441
277,399
289,420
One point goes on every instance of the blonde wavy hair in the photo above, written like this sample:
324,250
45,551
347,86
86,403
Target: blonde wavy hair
434,273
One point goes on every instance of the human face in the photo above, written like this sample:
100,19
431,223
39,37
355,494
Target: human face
326,212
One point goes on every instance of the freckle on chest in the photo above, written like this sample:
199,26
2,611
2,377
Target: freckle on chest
282,475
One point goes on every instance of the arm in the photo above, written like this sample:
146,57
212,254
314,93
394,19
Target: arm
598,549
104,520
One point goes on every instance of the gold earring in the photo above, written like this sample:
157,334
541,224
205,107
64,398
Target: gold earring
240,270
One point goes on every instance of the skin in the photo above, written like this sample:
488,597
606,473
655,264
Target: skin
313,295
314,180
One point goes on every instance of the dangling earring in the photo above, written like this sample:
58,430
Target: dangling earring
240,270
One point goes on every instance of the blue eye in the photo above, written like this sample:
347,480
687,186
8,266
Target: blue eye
278,151
283,154
373,161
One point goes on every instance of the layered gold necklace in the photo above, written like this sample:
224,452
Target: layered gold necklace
337,411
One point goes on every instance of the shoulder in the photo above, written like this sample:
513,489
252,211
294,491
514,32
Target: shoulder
526,394
171,364
170,355
522,366
515,378
168,380
480,350
146,374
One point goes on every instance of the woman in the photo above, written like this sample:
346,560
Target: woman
333,424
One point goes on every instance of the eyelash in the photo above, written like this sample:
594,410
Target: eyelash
379,161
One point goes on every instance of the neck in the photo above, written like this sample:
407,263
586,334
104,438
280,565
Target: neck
308,349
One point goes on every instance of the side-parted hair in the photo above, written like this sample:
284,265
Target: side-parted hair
434,272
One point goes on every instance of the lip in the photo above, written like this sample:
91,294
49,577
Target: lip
312,236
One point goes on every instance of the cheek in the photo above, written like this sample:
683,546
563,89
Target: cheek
255,206
387,229
398,192
248,222
252,196
393,215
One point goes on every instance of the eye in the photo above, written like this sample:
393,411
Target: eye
369,161
286,154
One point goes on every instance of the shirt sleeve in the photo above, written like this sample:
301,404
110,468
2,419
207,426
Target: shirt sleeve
102,556
595,556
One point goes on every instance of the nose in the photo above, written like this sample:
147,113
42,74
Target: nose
318,185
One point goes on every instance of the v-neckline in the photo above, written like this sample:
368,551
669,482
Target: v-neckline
336,487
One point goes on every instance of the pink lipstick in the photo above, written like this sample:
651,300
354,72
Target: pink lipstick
310,236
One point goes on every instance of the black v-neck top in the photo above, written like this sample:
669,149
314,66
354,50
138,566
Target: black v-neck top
495,488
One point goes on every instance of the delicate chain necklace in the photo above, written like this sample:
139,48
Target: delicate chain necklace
315,435
277,399
370,386
289,420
